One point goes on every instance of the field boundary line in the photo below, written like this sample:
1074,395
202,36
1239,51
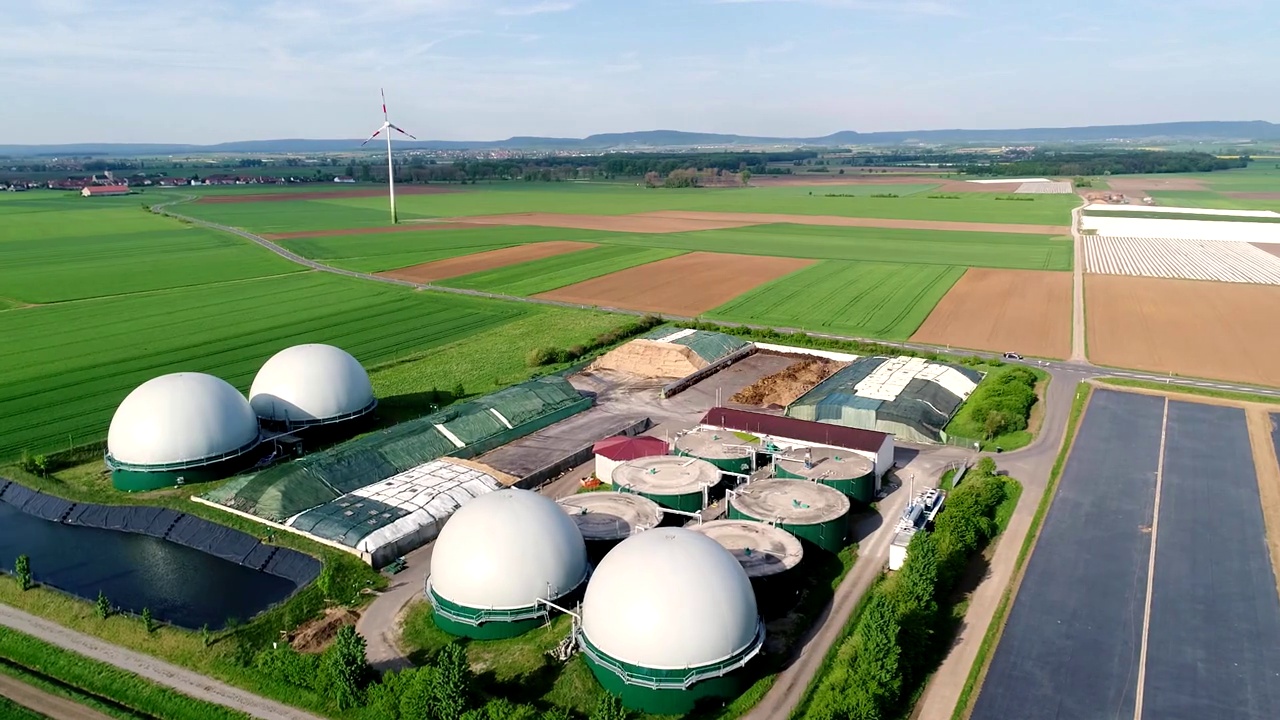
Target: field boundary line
1258,419
1151,567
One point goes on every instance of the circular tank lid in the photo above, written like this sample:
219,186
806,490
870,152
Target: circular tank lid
827,464
666,475
793,502
611,515
760,549
670,599
507,550
181,418
311,383
713,444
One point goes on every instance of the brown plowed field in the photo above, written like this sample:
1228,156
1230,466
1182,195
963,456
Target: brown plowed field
327,194
1273,248
369,230
1254,195
821,179
841,221
1024,311
964,186
610,223
1132,185
686,285
467,264
1188,327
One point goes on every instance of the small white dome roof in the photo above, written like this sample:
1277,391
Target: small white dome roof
310,383
669,598
505,550
182,417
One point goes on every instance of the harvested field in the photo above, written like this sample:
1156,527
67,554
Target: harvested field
326,194
1186,259
964,186
820,179
1147,185
1025,311
744,219
1185,327
368,230
785,387
610,223
1253,195
477,262
687,285
651,359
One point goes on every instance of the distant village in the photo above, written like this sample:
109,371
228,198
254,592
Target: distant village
109,183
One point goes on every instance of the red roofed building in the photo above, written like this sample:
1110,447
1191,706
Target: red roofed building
872,444
616,450
104,190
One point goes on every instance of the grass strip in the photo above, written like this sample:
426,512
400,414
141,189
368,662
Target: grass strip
110,686
992,636
13,711
1192,390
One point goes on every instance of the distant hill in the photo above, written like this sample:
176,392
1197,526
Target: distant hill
676,139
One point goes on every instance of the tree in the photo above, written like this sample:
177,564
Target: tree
103,605
22,571
608,707
148,622
453,681
876,667
995,423
459,391
365,173
745,175
324,581
344,668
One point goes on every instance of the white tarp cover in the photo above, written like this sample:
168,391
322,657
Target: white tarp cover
890,379
1104,207
686,332
949,378
432,493
1221,230
999,181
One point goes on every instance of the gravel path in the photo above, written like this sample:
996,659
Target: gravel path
33,698
184,681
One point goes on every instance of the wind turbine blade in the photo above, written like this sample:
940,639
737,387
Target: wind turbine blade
384,104
375,134
402,132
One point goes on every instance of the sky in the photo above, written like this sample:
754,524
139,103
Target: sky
150,71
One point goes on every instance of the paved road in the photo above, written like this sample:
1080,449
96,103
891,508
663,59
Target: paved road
51,706
184,681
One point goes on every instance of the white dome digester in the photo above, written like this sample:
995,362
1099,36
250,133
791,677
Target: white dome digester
671,598
311,384
505,551
181,419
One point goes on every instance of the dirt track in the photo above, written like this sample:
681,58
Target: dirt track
1254,195
612,223
327,194
33,698
1025,311
1186,327
841,221
685,285
467,264
369,230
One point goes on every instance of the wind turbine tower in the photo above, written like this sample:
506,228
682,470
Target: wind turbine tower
385,130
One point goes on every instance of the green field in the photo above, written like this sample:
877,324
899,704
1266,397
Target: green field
547,274
59,247
1155,214
1207,199
884,300
618,199
375,252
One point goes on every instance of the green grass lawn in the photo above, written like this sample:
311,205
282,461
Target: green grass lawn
863,299
620,199
547,274
58,247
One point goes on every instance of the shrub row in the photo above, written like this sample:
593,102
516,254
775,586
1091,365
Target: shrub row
904,631
552,355
1003,403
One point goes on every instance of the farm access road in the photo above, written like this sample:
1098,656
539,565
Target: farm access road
158,671
1031,466
33,698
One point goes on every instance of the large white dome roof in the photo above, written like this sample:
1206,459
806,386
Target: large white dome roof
669,598
310,383
505,550
179,418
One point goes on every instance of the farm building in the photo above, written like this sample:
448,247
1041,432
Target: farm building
908,397
667,353
389,518
808,510
313,384
180,428
500,561
850,459
104,190
616,450
669,619
677,483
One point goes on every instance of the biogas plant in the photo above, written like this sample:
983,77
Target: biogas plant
669,511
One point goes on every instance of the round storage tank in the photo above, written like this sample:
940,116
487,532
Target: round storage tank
719,447
179,428
762,550
668,619
311,384
497,557
679,483
846,471
808,510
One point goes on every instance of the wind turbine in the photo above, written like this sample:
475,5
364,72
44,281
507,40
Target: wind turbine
386,129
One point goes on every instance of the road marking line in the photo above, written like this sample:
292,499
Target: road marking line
1151,568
